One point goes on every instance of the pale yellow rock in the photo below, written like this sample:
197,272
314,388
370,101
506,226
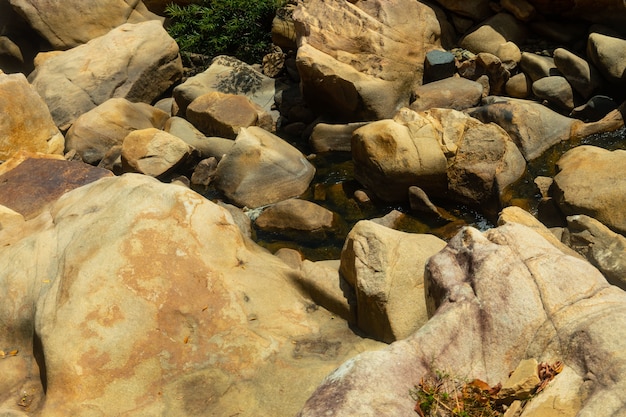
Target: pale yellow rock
153,152
522,382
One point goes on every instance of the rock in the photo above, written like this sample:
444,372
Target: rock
490,314
391,156
538,66
10,219
592,181
419,201
385,266
595,109
204,172
153,152
533,127
438,65
583,77
607,54
34,183
327,137
442,151
322,281
77,80
298,220
25,122
262,169
359,61
476,10
451,93
556,90
69,24
241,219
485,164
488,70
605,249
283,28
167,305
499,35
518,86
228,75
207,146
223,115
522,382
94,133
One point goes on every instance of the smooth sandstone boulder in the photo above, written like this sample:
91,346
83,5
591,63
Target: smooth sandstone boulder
451,93
25,121
160,301
583,76
75,81
153,152
358,61
556,90
71,23
592,181
385,267
608,55
105,126
495,298
207,146
298,219
262,169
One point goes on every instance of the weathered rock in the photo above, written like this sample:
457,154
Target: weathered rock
37,182
438,65
298,220
359,61
94,133
228,75
538,66
25,122
605,249
607,54
207,146
518,86
166,304
442,151
522,382
583,77
223,115
488,70
592,181
533,127
72,23
499,35
451,93
153,152
262,169
204,172
556,90
283,28
326,137
77,80
385,267
488,315
391,156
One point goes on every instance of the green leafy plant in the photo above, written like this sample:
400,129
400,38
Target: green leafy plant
240,28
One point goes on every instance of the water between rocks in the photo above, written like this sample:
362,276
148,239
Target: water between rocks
333,187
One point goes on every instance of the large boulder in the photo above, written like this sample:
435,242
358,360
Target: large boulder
105,126
153,152
71,23
360,60
158,300
75,81
385,267
25,122
592,181
262,169
495,299
444,152
534,127
607,53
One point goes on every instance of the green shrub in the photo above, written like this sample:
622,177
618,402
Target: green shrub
239,28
